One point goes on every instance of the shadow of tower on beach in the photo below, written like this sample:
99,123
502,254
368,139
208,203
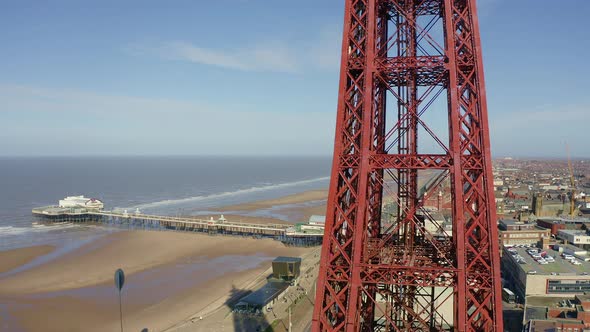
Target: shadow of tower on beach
246,317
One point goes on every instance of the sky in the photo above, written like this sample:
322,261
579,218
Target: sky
255,77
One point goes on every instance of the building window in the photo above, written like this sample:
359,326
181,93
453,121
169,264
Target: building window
568,286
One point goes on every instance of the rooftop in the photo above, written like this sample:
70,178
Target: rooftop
285,259
539,313
573,232
546,301
572,248
317,219
584,297
264,295
564,220
561,266
511,222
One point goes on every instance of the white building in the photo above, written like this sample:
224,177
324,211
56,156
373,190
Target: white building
575,237
498,182
81,202
317,220
316,223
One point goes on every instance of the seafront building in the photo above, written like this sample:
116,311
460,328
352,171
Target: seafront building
81,202
513,232
315,224
285,273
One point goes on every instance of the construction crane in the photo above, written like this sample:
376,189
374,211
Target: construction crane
572,181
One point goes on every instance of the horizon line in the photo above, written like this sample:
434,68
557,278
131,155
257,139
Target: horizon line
269,155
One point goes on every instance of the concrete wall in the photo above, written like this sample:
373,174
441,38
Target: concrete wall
536,285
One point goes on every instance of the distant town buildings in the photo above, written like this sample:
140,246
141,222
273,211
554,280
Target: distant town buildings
559,315
545,261
514,232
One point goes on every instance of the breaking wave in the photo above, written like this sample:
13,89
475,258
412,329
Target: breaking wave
35,228
228,194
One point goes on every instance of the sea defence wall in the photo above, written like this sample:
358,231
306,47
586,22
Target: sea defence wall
287,234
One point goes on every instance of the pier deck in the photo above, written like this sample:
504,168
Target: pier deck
282,232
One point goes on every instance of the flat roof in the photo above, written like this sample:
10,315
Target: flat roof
573,232
571,247
317,218
511,222
561,266
285,259
531,228
265,294
564,220
546,301
531,313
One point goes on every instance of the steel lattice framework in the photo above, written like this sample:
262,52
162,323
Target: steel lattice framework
387,264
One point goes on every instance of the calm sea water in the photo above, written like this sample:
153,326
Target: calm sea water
160,185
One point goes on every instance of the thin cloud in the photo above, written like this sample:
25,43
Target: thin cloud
274,57
321,52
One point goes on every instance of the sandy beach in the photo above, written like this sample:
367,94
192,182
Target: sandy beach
11,259
41,299
297,207
308,196
170,276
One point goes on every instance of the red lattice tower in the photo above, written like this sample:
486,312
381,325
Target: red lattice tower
412,122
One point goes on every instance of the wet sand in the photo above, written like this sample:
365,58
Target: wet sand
11,259
76,293
170,276
312,195
289,209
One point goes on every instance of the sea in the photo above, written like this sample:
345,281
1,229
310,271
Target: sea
155,185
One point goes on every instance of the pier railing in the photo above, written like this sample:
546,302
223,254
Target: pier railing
284,232
192,220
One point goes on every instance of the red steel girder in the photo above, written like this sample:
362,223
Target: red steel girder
377,276
408,276
418,161
423,70
424,7
408,161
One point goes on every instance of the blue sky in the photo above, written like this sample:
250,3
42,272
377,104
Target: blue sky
255,76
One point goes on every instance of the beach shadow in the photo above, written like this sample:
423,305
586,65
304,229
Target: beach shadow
247,317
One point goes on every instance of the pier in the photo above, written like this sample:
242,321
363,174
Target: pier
288,234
